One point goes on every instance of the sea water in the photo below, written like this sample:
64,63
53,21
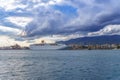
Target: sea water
60,65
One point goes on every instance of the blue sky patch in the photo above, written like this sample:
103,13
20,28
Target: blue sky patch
66,9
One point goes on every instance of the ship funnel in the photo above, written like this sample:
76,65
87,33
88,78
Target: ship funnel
42,41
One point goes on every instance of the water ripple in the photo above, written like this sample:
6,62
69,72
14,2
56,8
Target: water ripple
59,65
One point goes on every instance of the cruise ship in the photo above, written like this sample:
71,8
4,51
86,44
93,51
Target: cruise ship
47,46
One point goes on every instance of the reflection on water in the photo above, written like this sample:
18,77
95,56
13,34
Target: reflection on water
59,65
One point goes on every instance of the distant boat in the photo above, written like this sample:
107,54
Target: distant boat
47,46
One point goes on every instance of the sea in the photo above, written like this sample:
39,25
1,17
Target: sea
60,65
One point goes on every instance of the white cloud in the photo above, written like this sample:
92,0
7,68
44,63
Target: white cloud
40,3
11,4
4,41
19,21
52,2
9,30
54,38
7,4
8,41
108,30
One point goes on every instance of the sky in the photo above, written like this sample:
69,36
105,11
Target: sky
30,21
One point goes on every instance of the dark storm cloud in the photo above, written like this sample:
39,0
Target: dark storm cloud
62,17
89,17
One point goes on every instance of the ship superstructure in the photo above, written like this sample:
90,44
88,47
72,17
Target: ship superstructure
43,45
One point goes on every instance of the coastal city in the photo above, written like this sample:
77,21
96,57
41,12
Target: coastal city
69,47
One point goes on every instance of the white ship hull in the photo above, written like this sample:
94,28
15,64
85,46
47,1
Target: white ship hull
47,47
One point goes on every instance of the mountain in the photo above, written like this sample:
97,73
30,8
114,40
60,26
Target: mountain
111,39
